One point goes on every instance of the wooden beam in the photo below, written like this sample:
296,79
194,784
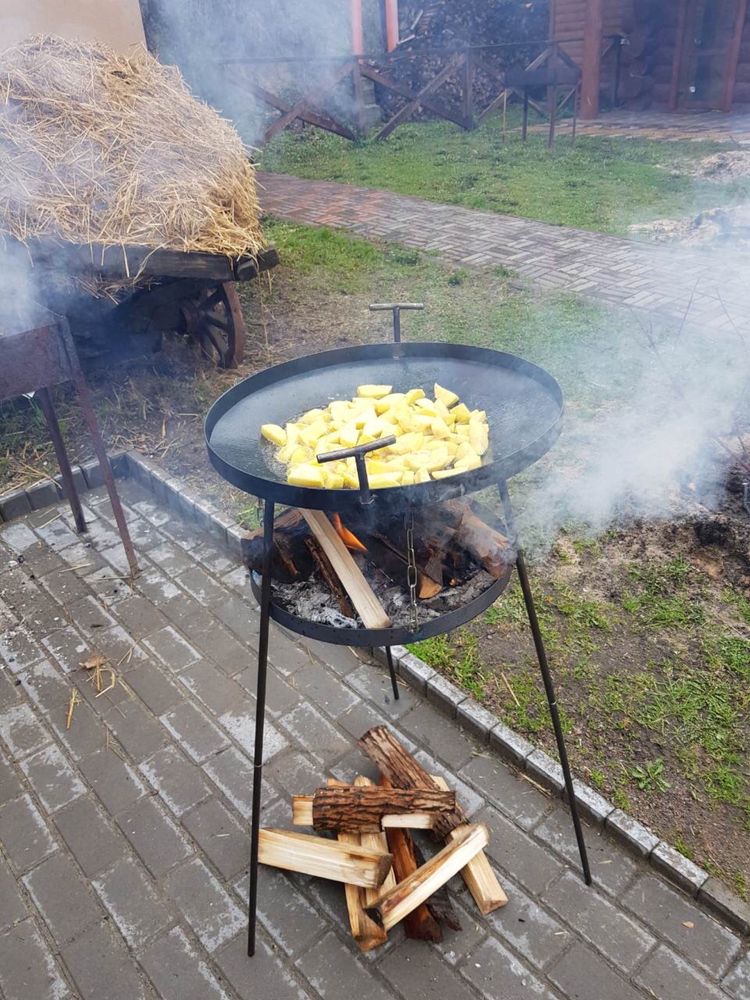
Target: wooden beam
369,608
300,108
437,108
391,25
679,51
394,905
358,31
453,64
592,59
299,852
733,56
320,120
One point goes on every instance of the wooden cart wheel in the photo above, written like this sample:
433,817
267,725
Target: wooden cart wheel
214,320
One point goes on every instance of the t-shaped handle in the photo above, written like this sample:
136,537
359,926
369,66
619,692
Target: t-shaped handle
395,308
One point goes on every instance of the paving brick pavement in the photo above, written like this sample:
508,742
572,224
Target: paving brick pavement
708,286
124,840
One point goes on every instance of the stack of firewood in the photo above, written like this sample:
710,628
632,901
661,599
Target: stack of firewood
386,879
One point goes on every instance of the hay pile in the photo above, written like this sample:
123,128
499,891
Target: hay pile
97,147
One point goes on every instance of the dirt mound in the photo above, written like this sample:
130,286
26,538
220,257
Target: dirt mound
725,166
715,226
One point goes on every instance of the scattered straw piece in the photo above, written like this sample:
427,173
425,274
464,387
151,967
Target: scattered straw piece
74,700
97,147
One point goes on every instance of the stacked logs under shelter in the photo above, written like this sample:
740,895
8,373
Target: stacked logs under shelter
385,875
358,572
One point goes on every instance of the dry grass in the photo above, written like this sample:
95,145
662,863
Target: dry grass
102,148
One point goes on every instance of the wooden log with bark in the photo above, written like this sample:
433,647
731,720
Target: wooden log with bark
378,842
363,809
302,815
403,771
394,905
299,852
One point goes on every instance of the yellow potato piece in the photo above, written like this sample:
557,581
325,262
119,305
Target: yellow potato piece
373,391
422,476
306,475
439,428
392,399
445,396
274,434
382,480
311,416
469,463
461,413
444,473
334,481
479,438
414,394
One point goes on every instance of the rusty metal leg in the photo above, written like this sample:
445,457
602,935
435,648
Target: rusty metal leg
69,486
87,409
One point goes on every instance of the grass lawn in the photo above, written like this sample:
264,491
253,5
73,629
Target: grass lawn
600,183
648,633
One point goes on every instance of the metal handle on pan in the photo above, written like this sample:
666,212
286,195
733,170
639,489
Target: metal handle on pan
395,308
358,453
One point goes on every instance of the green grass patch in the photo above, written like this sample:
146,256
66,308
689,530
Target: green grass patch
600,183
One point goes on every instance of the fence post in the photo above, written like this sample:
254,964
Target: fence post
468,87
359,99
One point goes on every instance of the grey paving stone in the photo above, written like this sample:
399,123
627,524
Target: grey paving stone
212,557
157,587
115,782
239,722
341,659
371,681
326,689
45,685
706,941
154,687
352,764
21,730
506,789
156,839
446,742
195,732
205,904
62,585
336,974
17,647
297,773
170,558
725,903
212,687
171,648
677,867
90,838
139,616
177,971
518,855
201,586
316,734
90,616
639,837
528,927
421,974
737,980
137,731
233,773
292,922
52,778
497,973
286,655
18,537
180,783
361,717
599,921
130,898
13,504
281,697
24,834
669,977
12,906
612,869
224,842
509,744
62,897
87,732
10,689
476,719
457,944
582,974
27,968
270,976
102,968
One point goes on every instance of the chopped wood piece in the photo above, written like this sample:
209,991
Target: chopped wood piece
299,852
479,876
393,906
439,904
327,574
302,815
490,548
368,607
366,932
378,842
419,925
360,810
290,560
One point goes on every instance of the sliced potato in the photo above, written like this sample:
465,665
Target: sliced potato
373,391
445,396
414,394
306,475
274,434
382,480
461,413
444,473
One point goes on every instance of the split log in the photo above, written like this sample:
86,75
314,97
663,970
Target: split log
393,906
361,809
378,842
327,574
386,556
290,561
299,852
403,771
419,925
439,904
302,815
489,547
366,932
368,607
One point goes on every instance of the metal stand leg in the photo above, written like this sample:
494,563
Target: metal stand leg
549,688
392,672
69,486
260,713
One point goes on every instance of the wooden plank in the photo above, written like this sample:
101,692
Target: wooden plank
300,852
733,56
358,810
366,932
592,60
369,608
404,771
419,925
454,63
303,105
392,906
378,842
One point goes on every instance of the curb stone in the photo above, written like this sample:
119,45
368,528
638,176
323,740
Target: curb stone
483,724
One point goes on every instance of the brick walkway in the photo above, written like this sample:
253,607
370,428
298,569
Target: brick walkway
712,286
123,840
703,126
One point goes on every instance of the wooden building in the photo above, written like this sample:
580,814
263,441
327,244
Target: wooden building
677,54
